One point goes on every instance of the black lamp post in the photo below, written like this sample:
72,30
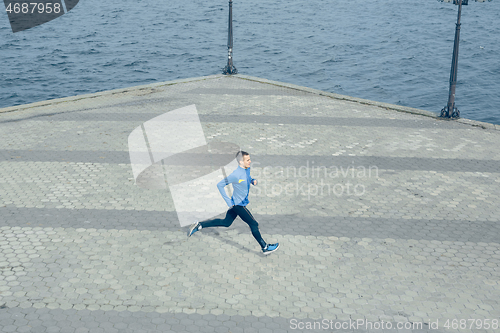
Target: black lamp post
450,111
230,69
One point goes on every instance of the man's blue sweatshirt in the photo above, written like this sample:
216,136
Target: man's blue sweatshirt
241,180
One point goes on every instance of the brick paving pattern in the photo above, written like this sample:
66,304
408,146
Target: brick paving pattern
381,216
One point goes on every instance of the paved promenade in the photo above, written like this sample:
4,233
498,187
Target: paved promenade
384,214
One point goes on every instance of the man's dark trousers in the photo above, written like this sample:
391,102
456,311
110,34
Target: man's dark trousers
231,214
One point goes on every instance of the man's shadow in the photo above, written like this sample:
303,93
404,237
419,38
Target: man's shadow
221,235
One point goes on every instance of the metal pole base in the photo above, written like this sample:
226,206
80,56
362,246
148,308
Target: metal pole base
445,113
229,70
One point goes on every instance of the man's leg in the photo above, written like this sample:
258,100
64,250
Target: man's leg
248,218
226,222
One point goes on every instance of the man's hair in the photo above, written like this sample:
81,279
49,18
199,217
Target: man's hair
240,154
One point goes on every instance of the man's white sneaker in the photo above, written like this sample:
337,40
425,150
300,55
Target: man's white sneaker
194,228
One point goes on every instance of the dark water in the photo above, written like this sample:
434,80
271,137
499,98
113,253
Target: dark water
390,51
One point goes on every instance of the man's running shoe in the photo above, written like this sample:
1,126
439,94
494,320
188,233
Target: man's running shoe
194,228
270,248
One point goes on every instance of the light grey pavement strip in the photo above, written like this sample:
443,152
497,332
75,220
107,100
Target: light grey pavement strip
82,249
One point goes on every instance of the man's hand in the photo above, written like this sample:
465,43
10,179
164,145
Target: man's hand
254,182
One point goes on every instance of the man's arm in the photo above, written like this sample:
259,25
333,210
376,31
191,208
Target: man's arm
226,181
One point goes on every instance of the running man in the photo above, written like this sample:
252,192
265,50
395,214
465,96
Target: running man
241,180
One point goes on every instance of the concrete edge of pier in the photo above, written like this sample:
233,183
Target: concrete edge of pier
387,106
104,93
